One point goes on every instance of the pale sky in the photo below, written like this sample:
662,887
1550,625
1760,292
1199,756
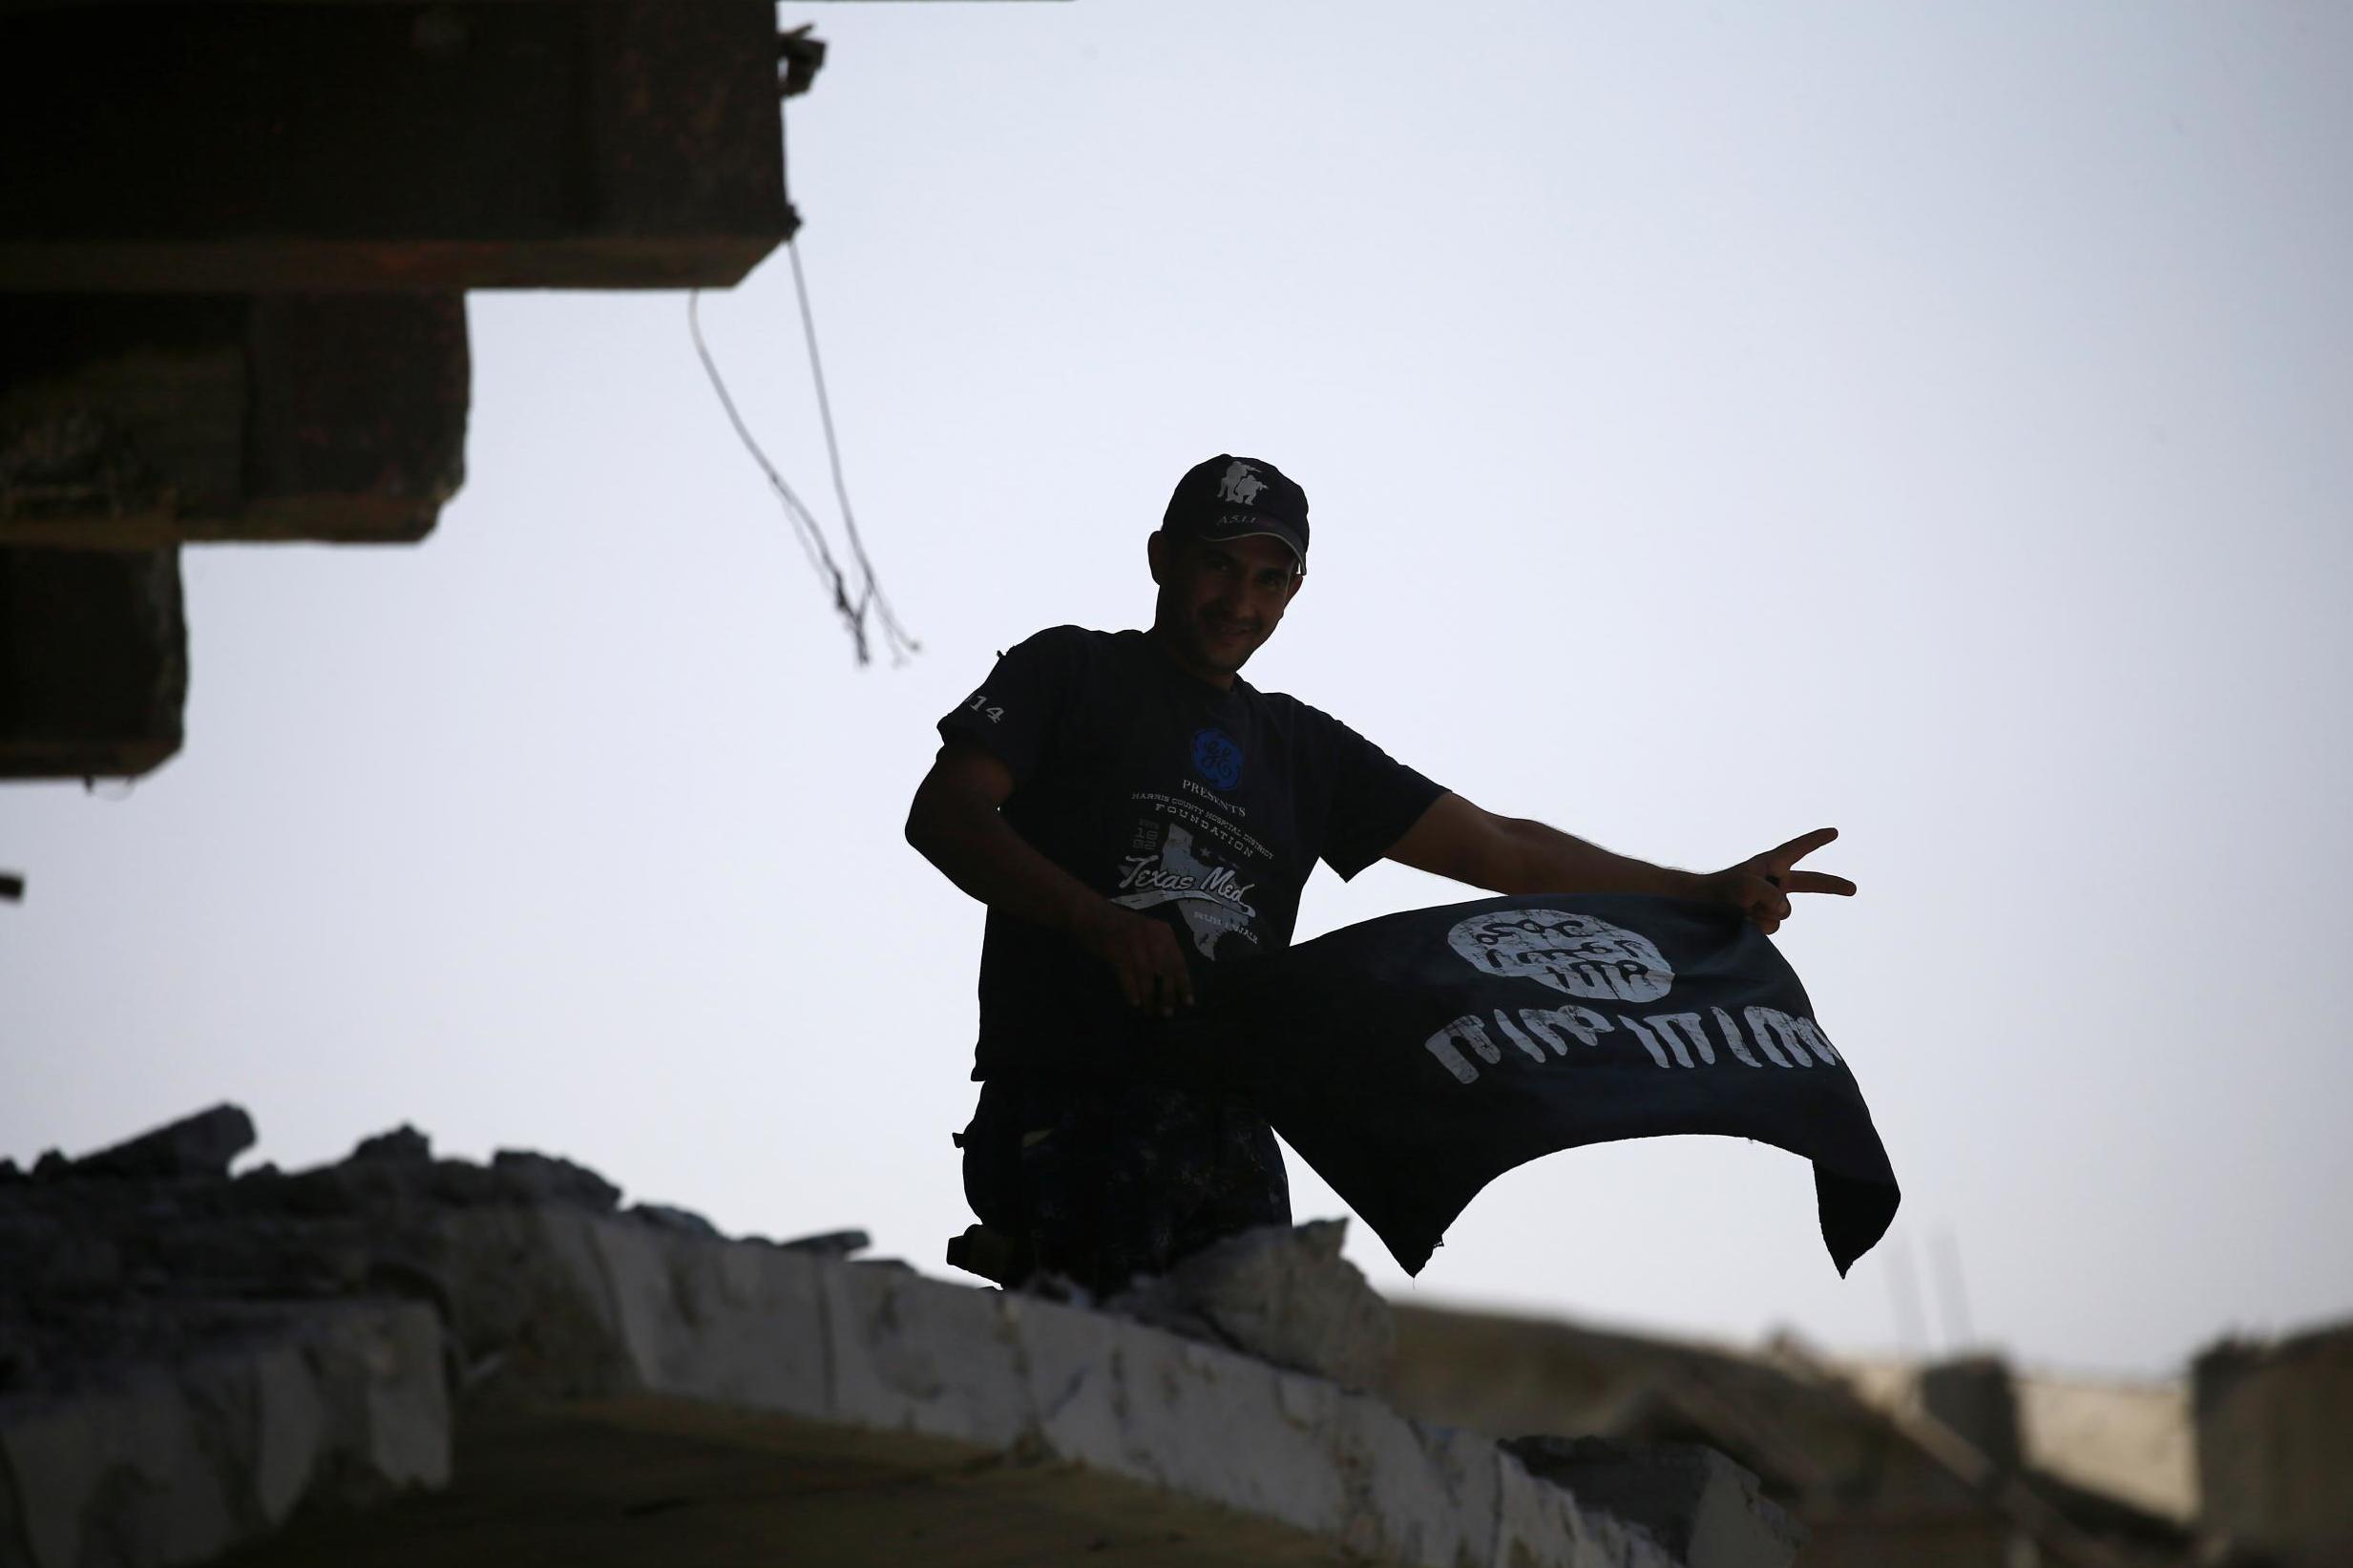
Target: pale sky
1936,421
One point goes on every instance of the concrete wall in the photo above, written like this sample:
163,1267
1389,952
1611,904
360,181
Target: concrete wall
2275,1447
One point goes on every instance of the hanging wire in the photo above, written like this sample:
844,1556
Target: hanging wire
805,524
893,633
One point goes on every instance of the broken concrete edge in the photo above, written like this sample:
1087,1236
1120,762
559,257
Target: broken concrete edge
201,1147
1281,1293
345,1402
145,1297
1699,1505
1032,1382
167,1463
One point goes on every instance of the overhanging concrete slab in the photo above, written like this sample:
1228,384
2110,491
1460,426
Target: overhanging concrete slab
93,662
148,421
162,148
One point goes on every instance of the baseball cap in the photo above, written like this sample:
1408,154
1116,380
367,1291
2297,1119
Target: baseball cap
1230,497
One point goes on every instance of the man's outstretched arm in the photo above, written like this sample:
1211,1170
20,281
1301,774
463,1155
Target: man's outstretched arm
954,823
1516,855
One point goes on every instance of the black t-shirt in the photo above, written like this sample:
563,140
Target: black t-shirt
1206,808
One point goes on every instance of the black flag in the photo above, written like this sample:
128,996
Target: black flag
1413,1058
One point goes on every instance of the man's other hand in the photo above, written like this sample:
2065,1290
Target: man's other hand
1143,953
1760,887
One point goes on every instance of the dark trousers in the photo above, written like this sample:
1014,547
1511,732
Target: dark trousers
1102,1181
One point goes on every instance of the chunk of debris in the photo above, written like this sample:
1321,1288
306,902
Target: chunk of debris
830,1244
684,1220
193,1146
1281,1294
547,1179
403,1143
1705,1510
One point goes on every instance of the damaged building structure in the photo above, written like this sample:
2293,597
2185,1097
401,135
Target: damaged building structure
398,1357
234,244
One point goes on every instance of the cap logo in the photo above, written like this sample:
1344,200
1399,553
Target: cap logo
1241,484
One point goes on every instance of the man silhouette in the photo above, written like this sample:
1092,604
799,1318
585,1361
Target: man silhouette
1094,767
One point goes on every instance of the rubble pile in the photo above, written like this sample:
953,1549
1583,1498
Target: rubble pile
188,1355
151,1250
501,1363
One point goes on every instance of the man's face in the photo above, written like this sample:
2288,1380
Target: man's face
1219,601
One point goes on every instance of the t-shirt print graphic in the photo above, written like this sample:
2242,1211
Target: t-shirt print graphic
1210,897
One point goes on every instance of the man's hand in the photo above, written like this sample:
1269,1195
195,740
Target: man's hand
1760,887
955,822
1143,953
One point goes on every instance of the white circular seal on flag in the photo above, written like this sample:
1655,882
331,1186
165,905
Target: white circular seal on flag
1570,953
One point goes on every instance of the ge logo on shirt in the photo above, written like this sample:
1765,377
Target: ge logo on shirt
1216,758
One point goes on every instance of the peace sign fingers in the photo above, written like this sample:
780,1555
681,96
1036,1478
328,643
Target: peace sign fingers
1775,868
1776,861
